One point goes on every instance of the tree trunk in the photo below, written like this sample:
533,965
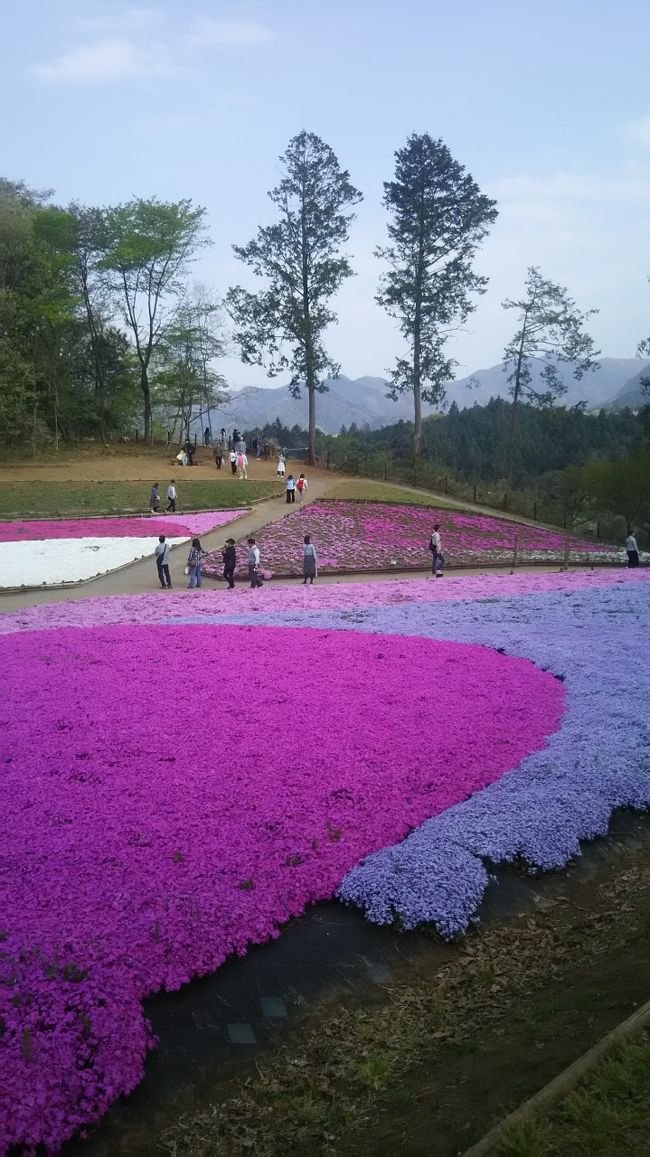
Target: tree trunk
511,439
34,429
311,447
56,417
417,433
146,393
515,400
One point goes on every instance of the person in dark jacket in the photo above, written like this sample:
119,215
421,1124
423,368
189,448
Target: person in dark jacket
229,556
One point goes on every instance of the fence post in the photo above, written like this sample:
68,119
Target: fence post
598,529
535,510
515,553
567,547
474,492
328,460
505,501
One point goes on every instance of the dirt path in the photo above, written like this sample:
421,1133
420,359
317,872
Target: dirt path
140,577
124,464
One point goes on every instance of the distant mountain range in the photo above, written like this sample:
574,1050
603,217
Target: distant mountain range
363,400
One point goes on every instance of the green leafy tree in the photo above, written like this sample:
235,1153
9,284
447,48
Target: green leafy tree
149,245
300,259
551,332
37,311
186,378
438,218
572,487
105,353
623,488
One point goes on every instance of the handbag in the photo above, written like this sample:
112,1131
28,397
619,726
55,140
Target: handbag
187,570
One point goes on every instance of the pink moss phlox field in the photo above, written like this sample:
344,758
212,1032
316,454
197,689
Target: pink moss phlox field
345,596
355,535
173,525
141,850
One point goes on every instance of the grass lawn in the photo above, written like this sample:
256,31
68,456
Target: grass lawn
607,1115
366,488
45,499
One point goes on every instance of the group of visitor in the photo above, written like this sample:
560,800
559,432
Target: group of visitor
154,498
310,559
294,485
194,566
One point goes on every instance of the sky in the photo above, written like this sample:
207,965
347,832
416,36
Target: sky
546,104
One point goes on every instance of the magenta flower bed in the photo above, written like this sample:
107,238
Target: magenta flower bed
138,855
367,536
173,525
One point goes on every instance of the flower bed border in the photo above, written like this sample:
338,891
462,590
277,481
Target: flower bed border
71,584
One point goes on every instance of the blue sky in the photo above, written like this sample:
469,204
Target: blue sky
547,104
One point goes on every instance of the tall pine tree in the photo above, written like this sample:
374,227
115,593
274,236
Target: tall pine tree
438,218
301,262
551,333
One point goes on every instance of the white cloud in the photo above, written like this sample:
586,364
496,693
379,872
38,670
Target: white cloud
124,49
637,132
206,33
105,61
104,20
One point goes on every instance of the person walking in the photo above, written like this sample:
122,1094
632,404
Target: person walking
229,556
301,486
242,465
632,550
254,564
233,463
171,497
218,455
291,488
309,561
281,466
161,555
154,500
194,563
437,557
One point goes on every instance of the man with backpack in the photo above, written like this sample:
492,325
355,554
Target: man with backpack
437,557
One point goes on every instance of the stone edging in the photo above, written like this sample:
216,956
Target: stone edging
564,1082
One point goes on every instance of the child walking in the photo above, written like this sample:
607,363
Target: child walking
171,497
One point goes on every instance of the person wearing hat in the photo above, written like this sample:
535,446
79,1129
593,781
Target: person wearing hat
229,556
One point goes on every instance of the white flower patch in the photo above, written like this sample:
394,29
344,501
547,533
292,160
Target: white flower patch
65,560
